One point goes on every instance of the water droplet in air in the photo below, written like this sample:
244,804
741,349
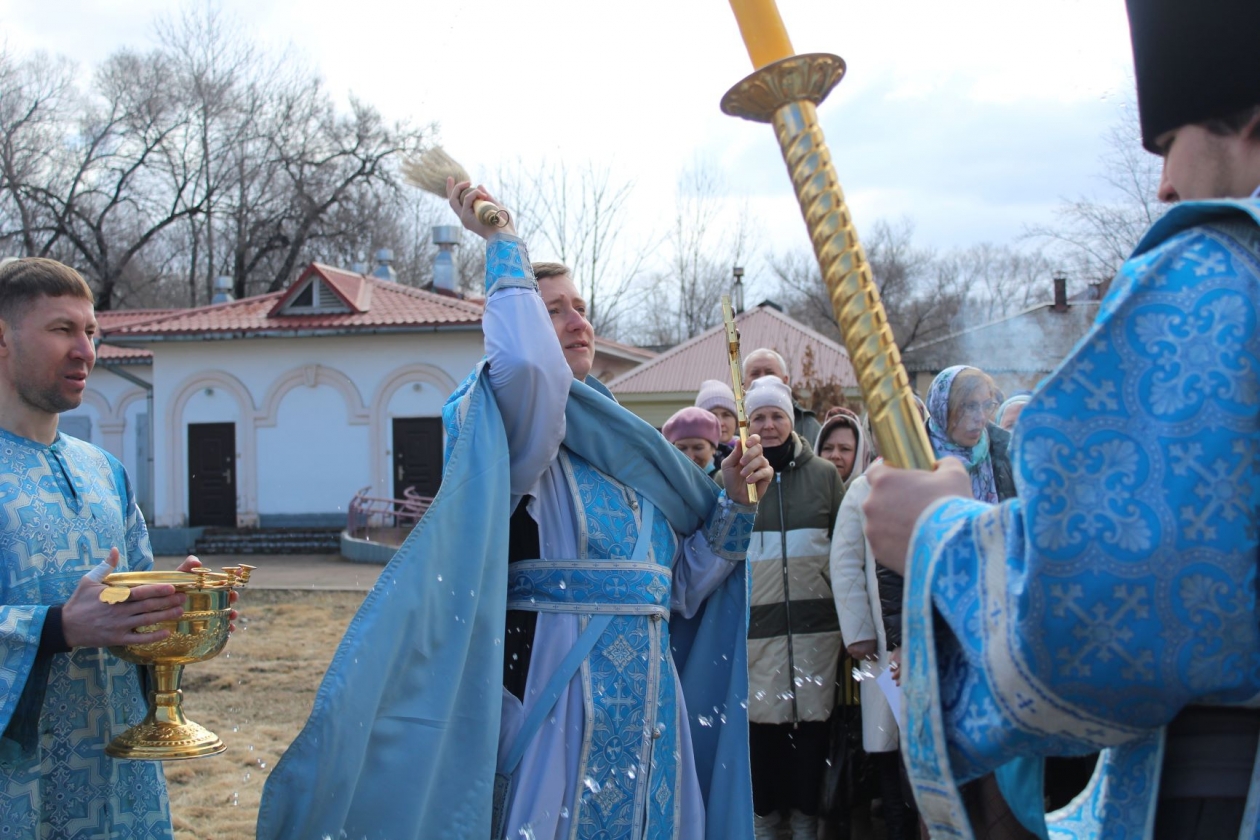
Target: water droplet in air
439,578
591,784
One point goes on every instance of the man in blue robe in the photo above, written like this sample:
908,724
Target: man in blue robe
1113,605
66,509
559,648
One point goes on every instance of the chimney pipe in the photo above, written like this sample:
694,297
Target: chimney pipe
384,270
446,238
1060,292
223,290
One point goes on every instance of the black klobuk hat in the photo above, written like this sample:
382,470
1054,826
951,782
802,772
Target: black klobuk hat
1195,60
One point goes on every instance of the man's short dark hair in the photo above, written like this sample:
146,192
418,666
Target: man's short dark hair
22,281
543,270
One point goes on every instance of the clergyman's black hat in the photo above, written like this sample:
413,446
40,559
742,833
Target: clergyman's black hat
1195,60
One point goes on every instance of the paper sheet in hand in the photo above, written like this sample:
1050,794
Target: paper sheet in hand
892,692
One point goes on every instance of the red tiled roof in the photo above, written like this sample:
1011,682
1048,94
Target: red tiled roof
123,355
115,318
684,367
391,306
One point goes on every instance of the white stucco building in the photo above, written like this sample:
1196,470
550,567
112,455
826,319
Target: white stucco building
273,411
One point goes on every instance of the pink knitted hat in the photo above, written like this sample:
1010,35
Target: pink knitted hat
692,422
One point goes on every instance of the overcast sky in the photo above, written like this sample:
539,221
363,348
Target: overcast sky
973,118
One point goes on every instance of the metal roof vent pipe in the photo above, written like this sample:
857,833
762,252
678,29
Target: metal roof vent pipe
385,271
223,290
446,238
1060,292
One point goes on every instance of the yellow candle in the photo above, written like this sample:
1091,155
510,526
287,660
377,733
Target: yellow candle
764,34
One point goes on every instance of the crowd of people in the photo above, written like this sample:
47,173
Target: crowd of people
822,609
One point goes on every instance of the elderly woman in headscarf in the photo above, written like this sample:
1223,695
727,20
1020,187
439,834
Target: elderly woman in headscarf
842,442
1009,411
960,401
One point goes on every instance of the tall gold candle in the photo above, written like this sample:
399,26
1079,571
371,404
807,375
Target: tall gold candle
784,91
764,34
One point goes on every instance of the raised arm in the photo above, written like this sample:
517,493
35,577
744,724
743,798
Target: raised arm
527,368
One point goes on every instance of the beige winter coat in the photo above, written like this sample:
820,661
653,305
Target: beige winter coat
857,603
810,641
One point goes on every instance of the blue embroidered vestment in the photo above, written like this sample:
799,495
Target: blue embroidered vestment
1121,585
62,508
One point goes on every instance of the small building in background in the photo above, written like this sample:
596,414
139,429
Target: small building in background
658,388
274,411
1017,351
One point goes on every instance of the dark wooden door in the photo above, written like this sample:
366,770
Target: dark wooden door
417,455
212,474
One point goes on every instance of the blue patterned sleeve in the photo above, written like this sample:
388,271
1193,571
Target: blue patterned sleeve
1121,586
709,555
20,630
507,264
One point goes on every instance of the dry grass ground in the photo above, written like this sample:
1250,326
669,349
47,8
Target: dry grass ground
256,695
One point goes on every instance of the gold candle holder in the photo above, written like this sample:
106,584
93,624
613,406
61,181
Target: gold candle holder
786,94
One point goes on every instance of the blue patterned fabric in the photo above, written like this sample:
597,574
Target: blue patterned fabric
577,586
1121,585
507,265
418,671
630,760
62,508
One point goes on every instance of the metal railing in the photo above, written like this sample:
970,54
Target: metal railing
373,517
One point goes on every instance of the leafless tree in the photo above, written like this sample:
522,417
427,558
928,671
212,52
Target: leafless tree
1094,235
37,96
216,68
708,237
200,155
920,299
577,212
107,177
994,281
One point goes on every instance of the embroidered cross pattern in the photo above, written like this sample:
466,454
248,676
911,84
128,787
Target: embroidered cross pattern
1103,633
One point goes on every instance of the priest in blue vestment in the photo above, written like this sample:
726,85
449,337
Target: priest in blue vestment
68,516
1113,604
559,648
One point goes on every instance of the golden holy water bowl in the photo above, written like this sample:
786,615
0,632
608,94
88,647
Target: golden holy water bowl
199,634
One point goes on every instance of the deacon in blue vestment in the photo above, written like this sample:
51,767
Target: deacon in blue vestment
1113,605
559,649
66,509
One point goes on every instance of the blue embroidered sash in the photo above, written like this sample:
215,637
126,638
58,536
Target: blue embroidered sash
590,587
